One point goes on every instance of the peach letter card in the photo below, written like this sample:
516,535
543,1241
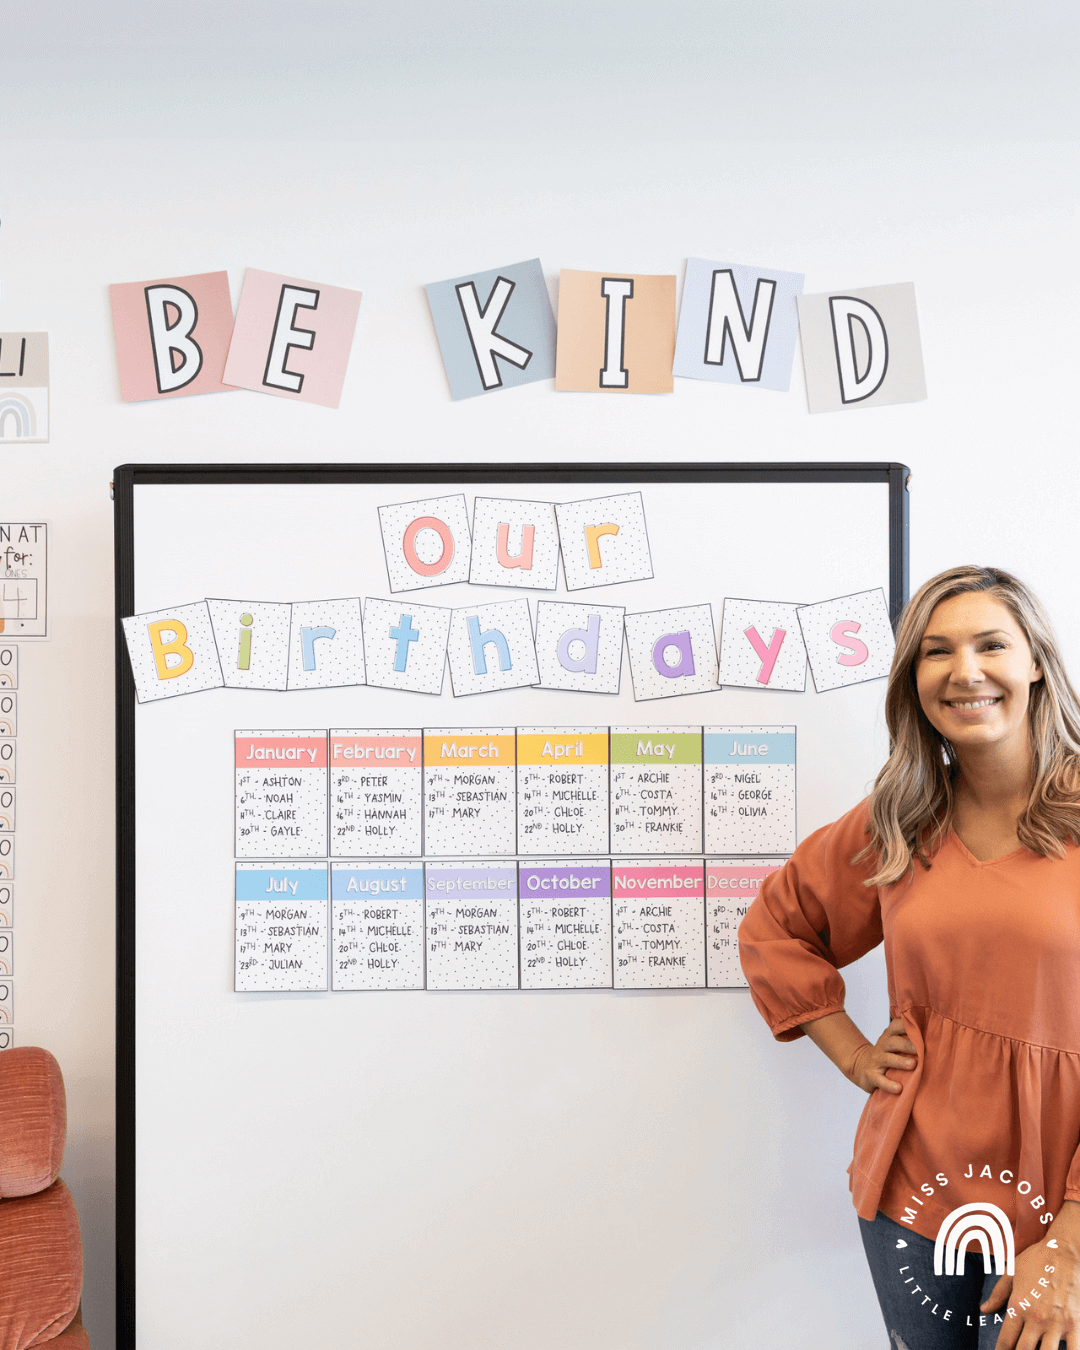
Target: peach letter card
172,336
292,338
616,333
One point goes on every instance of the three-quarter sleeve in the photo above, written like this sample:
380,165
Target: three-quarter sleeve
810,918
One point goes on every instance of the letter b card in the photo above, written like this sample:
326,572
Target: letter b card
172,336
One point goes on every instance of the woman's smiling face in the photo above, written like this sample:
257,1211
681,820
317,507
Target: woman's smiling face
974,672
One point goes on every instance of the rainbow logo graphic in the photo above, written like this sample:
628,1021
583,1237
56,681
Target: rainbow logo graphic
978,1222
24,414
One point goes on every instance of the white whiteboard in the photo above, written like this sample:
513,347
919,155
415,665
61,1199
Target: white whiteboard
403,1170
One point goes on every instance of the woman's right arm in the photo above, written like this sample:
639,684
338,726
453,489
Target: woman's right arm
861,1062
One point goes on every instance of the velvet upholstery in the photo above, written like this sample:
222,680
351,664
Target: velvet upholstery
33,1121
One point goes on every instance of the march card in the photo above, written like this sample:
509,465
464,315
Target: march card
514,543
750,789
377,925
472,925
405,645
470,791
761,646
604,541
656,789
579,646
565,924
848,641
426,543
280,794
672,651
376,793
658,921
282,936
562,784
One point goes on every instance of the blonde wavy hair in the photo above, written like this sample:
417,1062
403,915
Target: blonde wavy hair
912,802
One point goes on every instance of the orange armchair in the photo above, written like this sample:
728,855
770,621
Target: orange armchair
40,1248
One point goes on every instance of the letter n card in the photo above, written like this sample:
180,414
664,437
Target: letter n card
848,641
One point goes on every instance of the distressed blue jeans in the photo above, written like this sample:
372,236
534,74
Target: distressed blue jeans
924,1311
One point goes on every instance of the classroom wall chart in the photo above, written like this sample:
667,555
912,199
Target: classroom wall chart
441,775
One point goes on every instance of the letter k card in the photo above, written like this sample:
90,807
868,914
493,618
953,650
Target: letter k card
496,329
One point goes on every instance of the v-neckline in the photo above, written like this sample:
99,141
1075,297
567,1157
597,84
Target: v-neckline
983,862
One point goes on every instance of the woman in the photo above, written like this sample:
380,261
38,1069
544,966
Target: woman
965,860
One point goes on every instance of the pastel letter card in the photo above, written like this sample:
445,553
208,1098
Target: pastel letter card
672,651
738,324
761,646
172,336
616,333
579,646
292,338
514,543
405,645
252,639
326,648
426,543
172,652
604,541
861,348
848,641
491,647
495,329
24,387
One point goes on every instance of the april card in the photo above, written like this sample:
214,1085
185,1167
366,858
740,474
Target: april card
738,324
861,348
761,645
495,329
173,652
24,387
292,338
579,646
672,651
326,645
616,333
604,540
252,639
848,641
491,647
172,335
514,543
405,645
426,543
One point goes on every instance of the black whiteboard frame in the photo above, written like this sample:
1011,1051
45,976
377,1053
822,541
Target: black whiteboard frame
129,476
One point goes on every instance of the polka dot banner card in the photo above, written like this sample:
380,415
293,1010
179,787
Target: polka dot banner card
495,329
292,338
737,324
848,641
616,333
172,652
514,543
252,639
172,336
761,646
861,348
326,648
672,651
579,646
604,541
491,647
405,645
426,543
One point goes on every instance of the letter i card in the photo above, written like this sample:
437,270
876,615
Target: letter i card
750,790
656,789
376,794
658,923
472,925
470,791
730,886
377,925
282,938
565,924
281,794
562,789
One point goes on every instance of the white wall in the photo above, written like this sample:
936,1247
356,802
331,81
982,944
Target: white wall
370,148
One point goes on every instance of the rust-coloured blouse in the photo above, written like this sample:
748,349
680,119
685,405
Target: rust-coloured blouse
983,962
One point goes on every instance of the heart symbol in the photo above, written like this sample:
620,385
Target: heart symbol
1052,1242
901,1243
